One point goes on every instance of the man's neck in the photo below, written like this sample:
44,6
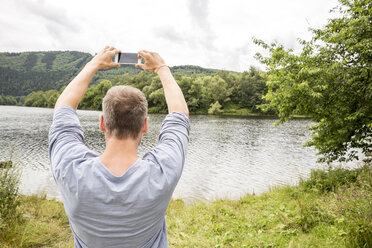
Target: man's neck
120,154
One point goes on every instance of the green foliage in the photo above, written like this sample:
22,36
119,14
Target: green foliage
194,96
94,95
215,109
9,196
48,59
18,83
30,61
354,207
36,99
158,99
331,180
352,204
216,89
44,224
8,100
204,94
192,70
42,99
284,217
251,89
51,97
330,80
23,73
38,78
200,91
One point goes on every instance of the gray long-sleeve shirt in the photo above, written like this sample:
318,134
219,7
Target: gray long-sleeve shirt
109,211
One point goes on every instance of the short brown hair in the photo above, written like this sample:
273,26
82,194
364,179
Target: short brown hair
124,111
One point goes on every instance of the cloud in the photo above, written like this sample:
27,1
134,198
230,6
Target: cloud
169,33
55,19
214,34
203,33
199,13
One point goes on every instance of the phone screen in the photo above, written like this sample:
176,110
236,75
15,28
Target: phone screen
127,58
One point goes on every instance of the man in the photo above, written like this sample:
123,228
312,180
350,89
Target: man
117,199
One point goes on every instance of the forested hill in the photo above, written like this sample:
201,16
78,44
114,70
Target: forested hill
36,78
23,73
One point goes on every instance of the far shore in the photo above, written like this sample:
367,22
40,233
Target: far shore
229,113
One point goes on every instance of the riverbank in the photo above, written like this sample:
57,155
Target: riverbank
330,209
242,112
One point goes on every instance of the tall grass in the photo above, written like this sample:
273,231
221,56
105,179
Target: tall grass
9,196
348,195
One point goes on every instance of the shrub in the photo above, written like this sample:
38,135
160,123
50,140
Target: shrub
330,180
9,195
215,109
347,200
354,207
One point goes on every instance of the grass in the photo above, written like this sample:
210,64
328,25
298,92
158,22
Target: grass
273,219
330,209
44,224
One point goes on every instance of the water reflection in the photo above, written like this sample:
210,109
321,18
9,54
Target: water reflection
227,156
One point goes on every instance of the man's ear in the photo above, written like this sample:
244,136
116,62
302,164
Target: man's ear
101,124
145,127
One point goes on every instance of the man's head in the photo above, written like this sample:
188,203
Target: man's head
124,112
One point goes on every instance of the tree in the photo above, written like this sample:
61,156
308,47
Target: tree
36,99
92,99
233,81
8,100
125,79
330,80
158,99
196,92
251,88
51,97
216,89
87,100
215,109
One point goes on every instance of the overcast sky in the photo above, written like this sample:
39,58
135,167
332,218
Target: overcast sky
208,33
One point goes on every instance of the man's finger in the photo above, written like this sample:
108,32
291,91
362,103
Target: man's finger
113,64
113,52
143,54
140,66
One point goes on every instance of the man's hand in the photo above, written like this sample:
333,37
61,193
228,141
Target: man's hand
76,89
172,92
103,60
153,61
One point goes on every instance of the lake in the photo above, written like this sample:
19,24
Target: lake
227,157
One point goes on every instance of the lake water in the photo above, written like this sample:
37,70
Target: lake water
227,157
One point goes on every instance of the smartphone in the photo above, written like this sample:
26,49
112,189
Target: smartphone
127,58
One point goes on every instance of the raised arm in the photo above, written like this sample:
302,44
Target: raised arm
173,95
76,89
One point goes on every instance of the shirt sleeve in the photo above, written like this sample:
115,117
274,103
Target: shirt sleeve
169,155
66,140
